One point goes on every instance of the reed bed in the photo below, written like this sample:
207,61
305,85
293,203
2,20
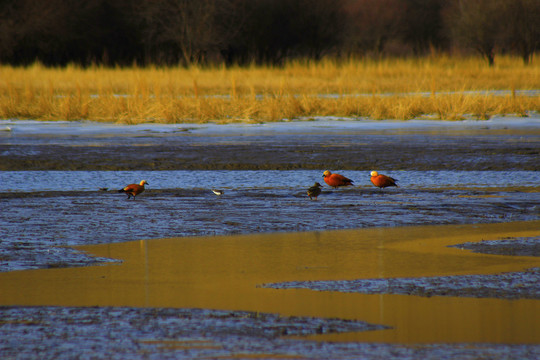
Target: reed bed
439,87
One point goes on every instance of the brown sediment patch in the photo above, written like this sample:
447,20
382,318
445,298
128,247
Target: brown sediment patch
183,344
226,273
259,356
483,196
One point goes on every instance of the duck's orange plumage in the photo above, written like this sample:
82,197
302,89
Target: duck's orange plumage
134,189
382,181
335,180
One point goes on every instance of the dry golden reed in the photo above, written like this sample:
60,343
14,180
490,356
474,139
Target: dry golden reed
439,87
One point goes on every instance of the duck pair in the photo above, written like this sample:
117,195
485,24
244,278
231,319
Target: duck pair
337,180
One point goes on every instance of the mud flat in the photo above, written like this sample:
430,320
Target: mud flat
445,266
502,143
139,333
450,172
228,274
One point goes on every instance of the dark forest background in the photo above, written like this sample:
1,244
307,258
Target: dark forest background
185,32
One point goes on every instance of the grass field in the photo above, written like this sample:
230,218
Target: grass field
439,87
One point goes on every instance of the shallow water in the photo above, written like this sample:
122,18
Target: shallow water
283,180
228,273
477,172
48,209
44,211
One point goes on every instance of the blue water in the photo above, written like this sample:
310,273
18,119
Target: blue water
38,181
43,213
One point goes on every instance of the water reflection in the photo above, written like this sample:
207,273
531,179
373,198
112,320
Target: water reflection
47,209
226,273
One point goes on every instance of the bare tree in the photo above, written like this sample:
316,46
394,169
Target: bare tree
319,26
268,35
33,28
372,23
523,27
194,29
9,33
423,28
183,30
478,24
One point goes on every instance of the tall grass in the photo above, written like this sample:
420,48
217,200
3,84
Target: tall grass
441,87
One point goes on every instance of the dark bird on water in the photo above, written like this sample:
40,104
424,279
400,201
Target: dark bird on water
314,191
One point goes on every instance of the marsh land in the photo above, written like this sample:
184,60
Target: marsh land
262,271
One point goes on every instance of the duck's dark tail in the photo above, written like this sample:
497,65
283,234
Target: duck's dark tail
121,190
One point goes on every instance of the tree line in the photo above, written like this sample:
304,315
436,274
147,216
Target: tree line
186,32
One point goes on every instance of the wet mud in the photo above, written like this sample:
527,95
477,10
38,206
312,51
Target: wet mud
510,246
228,272
40,228
498,144
131,333
286,152
507,285
512,285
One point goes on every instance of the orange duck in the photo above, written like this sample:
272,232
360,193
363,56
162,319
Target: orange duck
134,189
336,180
382,181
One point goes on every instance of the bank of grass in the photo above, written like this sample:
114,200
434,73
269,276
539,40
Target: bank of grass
439,87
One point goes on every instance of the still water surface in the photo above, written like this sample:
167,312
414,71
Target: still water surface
170,254
226,273
45,211
295,180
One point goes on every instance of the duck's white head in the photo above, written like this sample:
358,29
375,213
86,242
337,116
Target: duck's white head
326,173
143,182
374,173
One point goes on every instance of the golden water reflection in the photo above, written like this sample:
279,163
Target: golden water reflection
226,272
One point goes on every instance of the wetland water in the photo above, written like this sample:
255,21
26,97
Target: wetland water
49,210
227,273
481,179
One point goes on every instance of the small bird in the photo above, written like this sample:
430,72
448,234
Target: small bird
382,181
218,192
314,191
336,180
134,189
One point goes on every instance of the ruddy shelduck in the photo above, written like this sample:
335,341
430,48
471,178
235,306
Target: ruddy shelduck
134,189
335,180
382,181
218,192
314,191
